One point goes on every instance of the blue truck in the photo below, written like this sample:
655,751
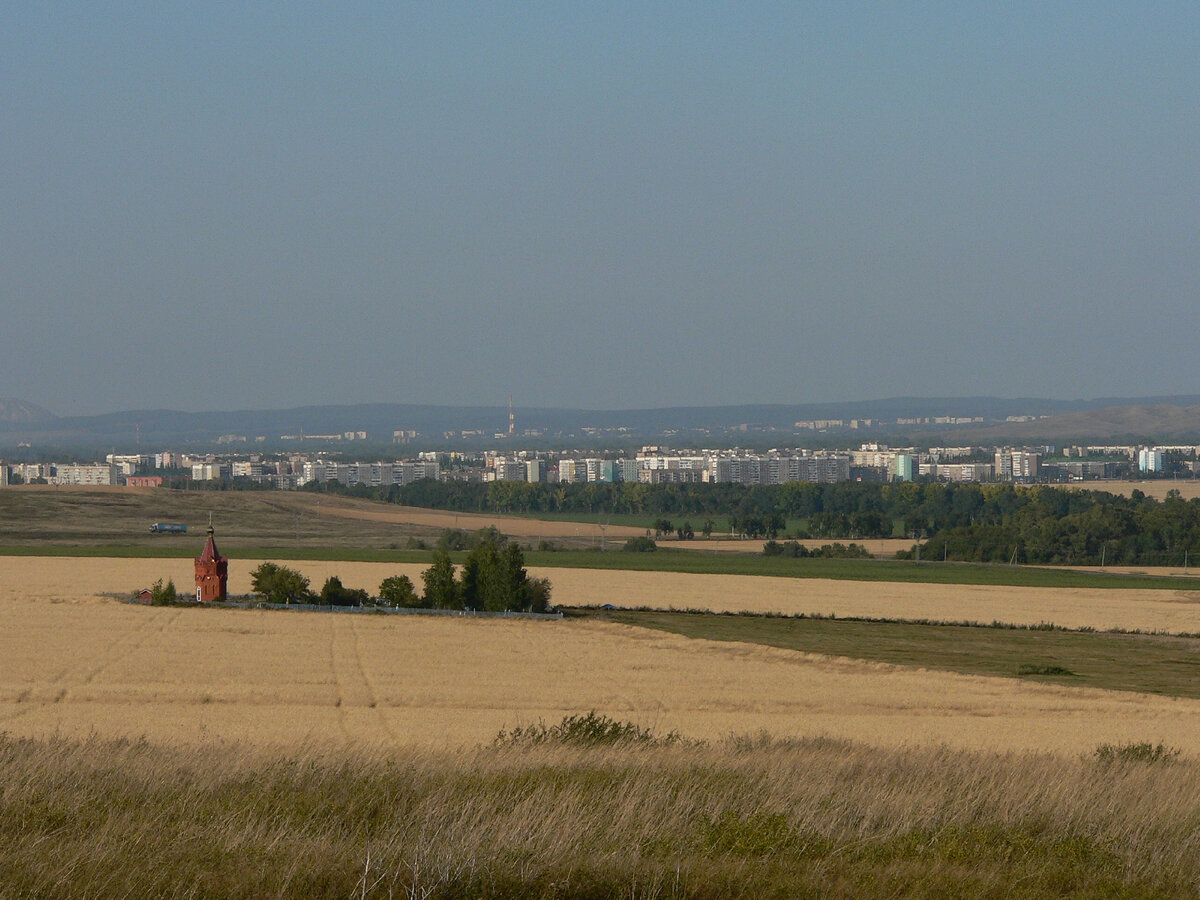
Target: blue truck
168,528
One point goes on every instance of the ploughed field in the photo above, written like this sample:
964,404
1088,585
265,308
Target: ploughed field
74,662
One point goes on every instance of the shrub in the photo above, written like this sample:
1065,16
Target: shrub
398,590
538,590
452,539
333,593
1030,669
457,539
835,550
787,548
838,550
163,595
1143,752
589,730
279,584
640,544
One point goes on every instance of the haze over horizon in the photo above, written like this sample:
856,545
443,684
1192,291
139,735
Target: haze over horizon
16,408
606,207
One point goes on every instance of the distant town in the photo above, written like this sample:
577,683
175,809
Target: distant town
870,462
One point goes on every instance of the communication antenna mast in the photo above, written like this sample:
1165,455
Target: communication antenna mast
512,420
603,526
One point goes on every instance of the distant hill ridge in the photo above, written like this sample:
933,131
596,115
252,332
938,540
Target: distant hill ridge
1104,420
1140,423
22,412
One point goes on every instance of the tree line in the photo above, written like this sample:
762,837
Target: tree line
493,578
969,522
1054,526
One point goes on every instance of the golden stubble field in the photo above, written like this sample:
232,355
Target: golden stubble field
1189,488
1176,612
74,663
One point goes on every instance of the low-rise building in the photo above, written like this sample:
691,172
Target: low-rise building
89,474
144,480
210,471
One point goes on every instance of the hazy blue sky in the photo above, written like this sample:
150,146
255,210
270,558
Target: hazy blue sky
218,205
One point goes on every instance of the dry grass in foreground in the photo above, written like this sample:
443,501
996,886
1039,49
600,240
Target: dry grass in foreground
745,818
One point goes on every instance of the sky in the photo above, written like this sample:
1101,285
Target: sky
596,205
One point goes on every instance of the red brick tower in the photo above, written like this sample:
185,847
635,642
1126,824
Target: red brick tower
212,572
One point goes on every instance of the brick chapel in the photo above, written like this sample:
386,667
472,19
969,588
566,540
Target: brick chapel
212,572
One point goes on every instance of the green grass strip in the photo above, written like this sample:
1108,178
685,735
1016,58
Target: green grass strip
666,560
1153,664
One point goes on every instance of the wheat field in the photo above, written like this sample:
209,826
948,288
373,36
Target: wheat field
1189,488
75,664
1175,612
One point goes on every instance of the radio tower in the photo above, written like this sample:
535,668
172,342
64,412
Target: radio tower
512,420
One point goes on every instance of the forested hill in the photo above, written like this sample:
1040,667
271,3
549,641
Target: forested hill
965,522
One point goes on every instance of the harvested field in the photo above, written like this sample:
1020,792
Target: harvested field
51,514
1179,571
1157,488
514,526
73,664
1147,610
1177,612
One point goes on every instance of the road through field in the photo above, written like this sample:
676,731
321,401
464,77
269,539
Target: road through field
73,663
